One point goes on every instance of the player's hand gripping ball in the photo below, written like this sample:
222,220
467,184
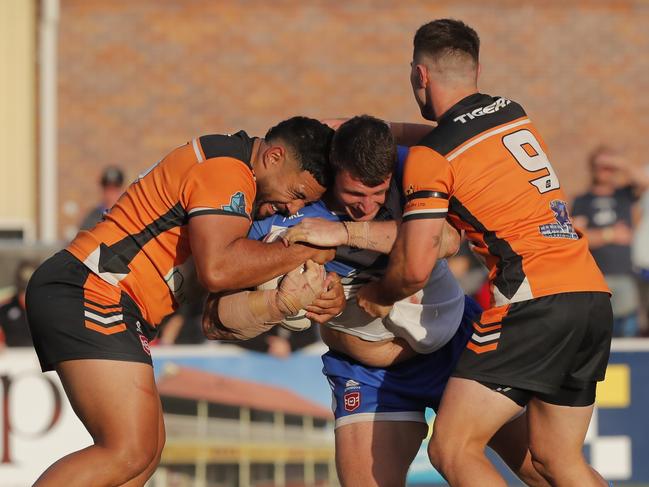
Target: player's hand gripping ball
296,290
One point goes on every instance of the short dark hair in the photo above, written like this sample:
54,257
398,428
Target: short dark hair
112,176
365,147
309,141
447,36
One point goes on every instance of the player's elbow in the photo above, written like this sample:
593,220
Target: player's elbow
214,281
414,284
416,278
451,245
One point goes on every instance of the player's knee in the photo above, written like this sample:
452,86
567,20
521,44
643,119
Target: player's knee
162,438
133,457
529,475
549,462
541,466
134,463
158,453
441,456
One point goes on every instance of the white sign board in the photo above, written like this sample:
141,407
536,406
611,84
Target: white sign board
37,424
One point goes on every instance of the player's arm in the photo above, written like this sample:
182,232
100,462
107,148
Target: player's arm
411,262
404,133
225,259
378,236
372,235
245,314
217,196
428,178
409,134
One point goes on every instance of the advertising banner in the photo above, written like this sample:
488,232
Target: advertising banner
245,419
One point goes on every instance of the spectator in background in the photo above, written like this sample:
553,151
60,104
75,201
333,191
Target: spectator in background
14,330
640,258
604,212
112,187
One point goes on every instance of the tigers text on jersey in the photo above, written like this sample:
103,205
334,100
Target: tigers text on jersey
142,246
485,167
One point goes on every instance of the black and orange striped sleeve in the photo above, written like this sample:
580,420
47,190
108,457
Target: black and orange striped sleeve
219,186
427,184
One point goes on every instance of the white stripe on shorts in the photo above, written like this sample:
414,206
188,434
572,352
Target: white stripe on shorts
416,416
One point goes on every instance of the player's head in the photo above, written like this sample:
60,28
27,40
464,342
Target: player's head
112,185
445,56
293,167
363,154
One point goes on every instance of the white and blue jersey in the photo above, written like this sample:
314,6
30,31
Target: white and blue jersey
426,321
430,322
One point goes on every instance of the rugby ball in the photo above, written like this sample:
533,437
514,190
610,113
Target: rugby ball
299,321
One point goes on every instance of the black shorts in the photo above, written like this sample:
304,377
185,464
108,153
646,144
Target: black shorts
73,314
545,346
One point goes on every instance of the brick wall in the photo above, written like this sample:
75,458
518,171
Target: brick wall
140,77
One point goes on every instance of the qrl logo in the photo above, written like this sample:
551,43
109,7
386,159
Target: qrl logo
352,401
145,344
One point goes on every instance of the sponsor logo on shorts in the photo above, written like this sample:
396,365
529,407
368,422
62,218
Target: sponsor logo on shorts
145,344
352,396
352,401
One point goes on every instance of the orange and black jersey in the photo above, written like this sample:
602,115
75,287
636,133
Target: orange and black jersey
142,246
485,167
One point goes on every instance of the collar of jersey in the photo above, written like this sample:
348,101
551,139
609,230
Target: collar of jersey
474,100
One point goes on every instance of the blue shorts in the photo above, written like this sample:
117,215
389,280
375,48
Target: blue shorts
400,392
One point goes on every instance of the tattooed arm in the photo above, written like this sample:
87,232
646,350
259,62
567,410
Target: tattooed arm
412,260
373,235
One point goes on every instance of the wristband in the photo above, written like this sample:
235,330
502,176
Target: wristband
264,307
358,234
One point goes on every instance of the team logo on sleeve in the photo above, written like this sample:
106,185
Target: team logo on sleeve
237,204
562,227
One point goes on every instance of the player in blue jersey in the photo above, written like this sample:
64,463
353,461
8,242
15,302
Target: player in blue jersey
384,373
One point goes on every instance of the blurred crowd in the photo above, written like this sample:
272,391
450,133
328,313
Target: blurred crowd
613,213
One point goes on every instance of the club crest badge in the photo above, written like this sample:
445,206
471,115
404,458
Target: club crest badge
237,204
